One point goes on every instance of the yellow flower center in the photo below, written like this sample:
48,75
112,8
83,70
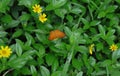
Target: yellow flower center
4,52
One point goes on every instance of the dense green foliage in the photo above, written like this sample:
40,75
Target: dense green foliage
84,22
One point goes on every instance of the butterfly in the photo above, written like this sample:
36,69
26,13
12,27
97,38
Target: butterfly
56,34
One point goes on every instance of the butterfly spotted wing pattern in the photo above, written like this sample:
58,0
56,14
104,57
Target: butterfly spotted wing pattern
56,34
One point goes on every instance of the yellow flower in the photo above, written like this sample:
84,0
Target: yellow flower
91,48
0,55
37,8
5,51
113,47
42,17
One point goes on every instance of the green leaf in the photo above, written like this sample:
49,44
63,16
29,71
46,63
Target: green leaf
27,3
18,48
67,31
33,70
102,14
92,61
30,39
20,61
18,33
106,63
76,10
25,71
13,23
4,5
50,58
69,18
41,50
115,55
94,22
76,63
3,34
73,38
42,38
99,46
61,12
80,74
55,65
86,23
57,73
118,1
101,30
24,17
44,71
55,4
17,63
111,9
6,19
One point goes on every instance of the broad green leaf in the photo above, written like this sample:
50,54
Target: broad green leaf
86,23
67,31
13,23
73,38
3,34
24,17
50,58
55,4
94,22
17,63
115,55
55,65
44,71
4,5
25,71
81,49
18,49
69,18
115,73
40,50
42,38
80,74
111,9
6,19
61,46
92,61
20,61
99,46
33,70
106,63
101,30
76,10
76,64
100,73
118,1
110,32
18,33
57,73
30,39
101,14
61,12
27,3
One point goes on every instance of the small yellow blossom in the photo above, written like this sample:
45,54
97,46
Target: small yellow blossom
91,48
37,8
42,17
113,47
0,55
5,51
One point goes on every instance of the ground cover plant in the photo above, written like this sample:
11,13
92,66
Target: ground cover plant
59,38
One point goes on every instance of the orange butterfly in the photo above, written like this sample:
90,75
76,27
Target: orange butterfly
56,34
